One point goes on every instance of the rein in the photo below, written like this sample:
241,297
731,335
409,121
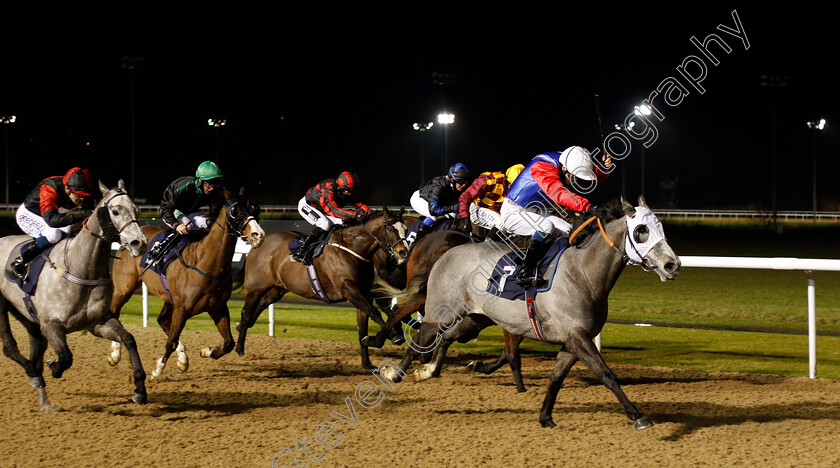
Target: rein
387,246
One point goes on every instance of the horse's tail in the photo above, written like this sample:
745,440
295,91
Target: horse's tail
414,295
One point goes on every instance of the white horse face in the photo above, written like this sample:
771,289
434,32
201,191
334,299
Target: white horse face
123,214
647,245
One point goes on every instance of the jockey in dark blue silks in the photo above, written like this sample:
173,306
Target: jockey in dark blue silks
438,198
546,180
44,212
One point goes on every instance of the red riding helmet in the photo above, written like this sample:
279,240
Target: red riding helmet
347,180
78,180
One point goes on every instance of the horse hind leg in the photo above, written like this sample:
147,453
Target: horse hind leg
510,355
172,320
34,366
583,346
56,335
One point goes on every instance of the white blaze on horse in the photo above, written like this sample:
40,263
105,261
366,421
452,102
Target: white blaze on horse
572,312
73,293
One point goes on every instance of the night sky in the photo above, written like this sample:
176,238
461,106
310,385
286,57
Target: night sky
310,92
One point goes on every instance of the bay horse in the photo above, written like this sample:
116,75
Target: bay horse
344,270
200,282
74,293
571,312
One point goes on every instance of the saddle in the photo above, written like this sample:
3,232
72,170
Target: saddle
164,248
313,250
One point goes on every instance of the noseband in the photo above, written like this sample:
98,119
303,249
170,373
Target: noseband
232,220
388,246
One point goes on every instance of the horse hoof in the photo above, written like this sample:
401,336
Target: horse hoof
390,374
50,409
139,398
183,366
547,423
422,373
55,369
206,352
642,423
472,365
113,362
521,389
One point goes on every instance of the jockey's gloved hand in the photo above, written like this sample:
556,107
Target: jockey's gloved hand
359,217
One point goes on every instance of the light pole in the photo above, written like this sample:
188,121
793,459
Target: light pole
419,127
218,124
773,82
625,128
643,110
6,121
131,63
446,119
816,126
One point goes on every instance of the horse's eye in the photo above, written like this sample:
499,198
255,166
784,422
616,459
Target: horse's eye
115,212
391,229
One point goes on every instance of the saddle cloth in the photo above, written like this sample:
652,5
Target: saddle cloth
30,281
169,257
501,281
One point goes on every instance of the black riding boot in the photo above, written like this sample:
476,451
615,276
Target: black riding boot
528,275
19,264
157,253
421,231
312,237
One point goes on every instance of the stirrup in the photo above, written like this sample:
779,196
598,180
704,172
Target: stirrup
16,266
532,280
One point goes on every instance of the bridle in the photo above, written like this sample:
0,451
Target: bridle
119,231
645,263
386,245
231,219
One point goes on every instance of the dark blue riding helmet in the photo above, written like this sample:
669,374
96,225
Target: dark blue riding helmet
459,173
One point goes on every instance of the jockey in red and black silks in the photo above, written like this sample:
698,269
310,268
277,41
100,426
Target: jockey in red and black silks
45,212
327,204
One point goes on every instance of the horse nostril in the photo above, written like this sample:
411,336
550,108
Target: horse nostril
135,243
672,267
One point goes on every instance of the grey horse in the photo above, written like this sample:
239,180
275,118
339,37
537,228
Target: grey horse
74,293
571,312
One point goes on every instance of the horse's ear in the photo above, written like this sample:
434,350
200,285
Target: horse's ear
242,191
402,212
121,186
227,194
103,188
642,202
625,205
385,211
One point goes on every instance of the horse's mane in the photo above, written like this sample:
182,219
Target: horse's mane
608,212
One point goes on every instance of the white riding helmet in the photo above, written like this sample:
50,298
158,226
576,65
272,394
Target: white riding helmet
578,162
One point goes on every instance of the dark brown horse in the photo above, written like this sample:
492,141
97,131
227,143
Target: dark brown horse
344,269
199,282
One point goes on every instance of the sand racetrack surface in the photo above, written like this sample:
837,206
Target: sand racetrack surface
243,411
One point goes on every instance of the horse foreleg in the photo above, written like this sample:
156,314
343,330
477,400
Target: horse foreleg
465,330
255,302
362,323
221,316
172,320
583,346
364,310
112,329
378,340
56,335
422,342
564,363
122,294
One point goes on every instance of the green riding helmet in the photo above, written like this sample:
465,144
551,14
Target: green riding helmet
209,171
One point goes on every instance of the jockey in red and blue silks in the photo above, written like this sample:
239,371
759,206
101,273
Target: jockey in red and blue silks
545,181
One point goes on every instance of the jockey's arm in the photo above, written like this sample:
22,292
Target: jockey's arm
330,206
468,196
547,177
50,212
